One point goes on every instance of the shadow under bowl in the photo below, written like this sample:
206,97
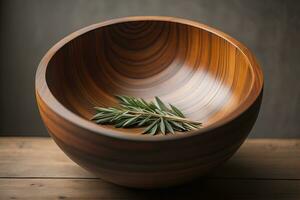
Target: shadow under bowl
210,76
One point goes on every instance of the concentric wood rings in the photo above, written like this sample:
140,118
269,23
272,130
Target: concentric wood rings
206,73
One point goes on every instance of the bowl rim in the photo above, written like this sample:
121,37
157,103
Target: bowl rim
44,94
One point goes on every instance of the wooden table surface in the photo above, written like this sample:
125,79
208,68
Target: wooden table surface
35,168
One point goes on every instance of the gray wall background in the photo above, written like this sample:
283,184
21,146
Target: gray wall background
270,28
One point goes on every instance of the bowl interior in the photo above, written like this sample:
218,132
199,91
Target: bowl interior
204,75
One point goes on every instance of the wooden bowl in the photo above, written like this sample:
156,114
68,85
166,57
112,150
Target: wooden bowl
206,73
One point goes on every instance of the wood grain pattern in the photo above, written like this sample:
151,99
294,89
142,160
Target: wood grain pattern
97,189
209,75
261,169
257,159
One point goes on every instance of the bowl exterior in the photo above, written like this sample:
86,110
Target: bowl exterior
149,164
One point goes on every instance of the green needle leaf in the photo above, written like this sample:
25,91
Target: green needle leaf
104,120
121,99
150,126
131,121
162,126
160,104
190,127
100,109
176,111
144,121
178,125
169,127
153,129
119,124
121,115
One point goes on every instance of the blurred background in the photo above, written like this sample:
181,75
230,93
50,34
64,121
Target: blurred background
270,28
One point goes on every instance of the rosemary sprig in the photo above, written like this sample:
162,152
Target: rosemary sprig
136,112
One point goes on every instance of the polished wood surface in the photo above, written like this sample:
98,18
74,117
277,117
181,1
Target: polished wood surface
35,168
209,75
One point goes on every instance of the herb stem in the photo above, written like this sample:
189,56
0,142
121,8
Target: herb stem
173,118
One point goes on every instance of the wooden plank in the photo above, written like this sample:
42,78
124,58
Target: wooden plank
35,168
35,157
264,159
97,189
256,159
